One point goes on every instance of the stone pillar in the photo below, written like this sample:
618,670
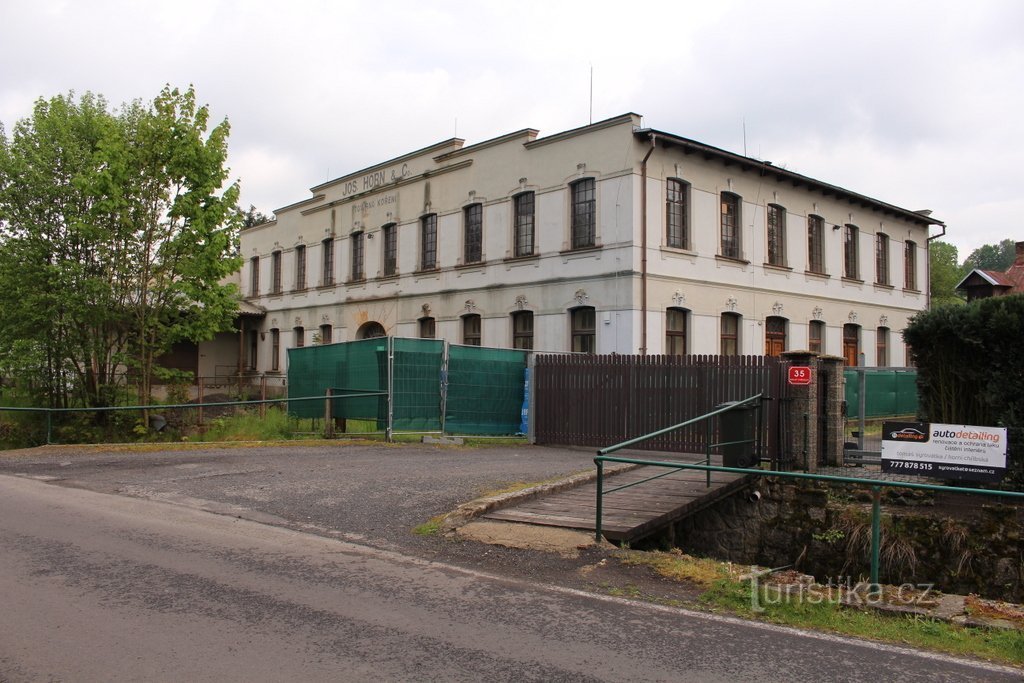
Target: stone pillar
832,401
800,413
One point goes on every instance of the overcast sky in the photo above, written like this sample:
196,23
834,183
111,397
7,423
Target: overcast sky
913,103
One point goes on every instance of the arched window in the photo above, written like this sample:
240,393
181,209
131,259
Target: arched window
371,330
774,336
473,233
731,246
427,328
584,333
816,336
776,235
522,330
584,213
882,347
524,222
675,331
677,214
730,334
471,329
851,344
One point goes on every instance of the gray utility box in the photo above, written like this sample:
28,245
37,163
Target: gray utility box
738,424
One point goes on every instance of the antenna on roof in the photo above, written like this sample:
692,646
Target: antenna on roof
744,136
591,92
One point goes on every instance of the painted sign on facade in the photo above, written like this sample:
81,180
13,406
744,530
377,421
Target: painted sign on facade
944,451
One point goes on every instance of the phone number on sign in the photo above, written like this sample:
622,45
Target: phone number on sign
907,465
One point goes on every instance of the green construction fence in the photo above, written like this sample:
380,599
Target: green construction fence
888,392
435,387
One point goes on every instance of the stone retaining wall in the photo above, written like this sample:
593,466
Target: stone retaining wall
960,544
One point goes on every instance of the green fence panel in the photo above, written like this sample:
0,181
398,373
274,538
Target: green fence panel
417,384
485,390
888,393
352,367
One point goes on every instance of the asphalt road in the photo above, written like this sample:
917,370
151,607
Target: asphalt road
146,584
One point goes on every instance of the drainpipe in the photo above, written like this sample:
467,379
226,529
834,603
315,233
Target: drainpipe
928,266
643,247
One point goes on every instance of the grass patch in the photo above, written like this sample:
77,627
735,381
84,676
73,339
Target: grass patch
431,527
725,590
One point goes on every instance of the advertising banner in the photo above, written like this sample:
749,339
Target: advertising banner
944,451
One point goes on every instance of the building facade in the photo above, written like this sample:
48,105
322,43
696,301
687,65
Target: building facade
610,238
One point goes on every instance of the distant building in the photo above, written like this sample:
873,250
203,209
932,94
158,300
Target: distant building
607,238
980,284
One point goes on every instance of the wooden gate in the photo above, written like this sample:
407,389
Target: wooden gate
590,400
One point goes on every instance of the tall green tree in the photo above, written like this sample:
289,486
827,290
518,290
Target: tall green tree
122,228
998,257
945,273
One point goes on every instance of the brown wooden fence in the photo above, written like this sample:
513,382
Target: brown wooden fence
588,400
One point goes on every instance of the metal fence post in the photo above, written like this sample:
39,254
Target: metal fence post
263,397
876,534
328,416
598,536
391,390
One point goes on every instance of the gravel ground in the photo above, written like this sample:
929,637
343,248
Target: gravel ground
371,493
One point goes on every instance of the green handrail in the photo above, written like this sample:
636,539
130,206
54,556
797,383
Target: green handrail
603,453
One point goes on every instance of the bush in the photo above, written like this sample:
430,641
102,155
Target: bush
970,362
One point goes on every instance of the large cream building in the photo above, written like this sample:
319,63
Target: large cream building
607,238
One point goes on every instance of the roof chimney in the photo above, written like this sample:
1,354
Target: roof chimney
1020,254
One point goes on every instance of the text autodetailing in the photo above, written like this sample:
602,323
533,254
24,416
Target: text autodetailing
944,451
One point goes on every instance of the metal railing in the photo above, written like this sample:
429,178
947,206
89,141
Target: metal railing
159,407
708,445
875,484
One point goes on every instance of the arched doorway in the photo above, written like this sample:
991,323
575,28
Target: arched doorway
370,330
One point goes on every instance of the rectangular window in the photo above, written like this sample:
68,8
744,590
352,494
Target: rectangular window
584,213
390,234
471,330
731,225
776,235
677,212
427,328
328,261
910,265
275,350
428,242
358,272
473,234
254,276
300,337
275,272
851,265
815,336
300,267
730,336
523,204
816,244
522,330
882,347
675,332
326,333
882,259
584,336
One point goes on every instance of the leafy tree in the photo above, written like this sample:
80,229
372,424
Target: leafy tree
118,231
945,274
998,257
254,217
